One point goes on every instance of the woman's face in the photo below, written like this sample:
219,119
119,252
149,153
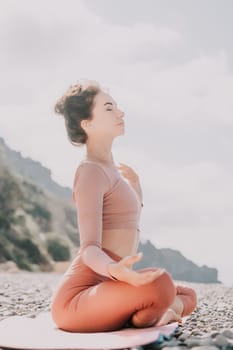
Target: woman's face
107,117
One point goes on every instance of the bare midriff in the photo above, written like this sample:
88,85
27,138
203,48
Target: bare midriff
122,242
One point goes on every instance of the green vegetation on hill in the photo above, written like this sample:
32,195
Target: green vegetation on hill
10,195
58,251
36,227
15,241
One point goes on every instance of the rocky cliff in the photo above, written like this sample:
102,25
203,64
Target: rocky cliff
37,223
32,170
176,264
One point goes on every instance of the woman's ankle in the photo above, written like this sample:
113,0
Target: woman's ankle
177,306
142,324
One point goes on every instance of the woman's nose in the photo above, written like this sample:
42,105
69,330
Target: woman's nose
121,113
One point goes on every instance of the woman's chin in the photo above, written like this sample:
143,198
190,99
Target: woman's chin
121,132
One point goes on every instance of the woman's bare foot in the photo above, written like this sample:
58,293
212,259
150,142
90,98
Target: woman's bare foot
169,316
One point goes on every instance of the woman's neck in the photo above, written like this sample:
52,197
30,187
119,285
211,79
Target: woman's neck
99,152
99,158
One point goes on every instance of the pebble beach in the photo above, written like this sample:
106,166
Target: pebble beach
209,327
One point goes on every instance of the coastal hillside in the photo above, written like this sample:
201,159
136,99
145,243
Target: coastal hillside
38,226
32,171
176,264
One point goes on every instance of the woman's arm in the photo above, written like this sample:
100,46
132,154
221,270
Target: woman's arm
97,260
90,184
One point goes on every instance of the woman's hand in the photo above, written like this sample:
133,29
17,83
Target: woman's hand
133,178
128,173
121,270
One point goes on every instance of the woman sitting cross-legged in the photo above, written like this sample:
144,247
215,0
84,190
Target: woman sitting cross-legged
100,291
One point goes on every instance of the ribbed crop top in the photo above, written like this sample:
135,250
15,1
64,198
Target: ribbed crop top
104,200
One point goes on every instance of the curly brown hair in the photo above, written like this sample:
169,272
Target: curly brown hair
75,105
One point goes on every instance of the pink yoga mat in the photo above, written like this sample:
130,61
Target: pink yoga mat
20,332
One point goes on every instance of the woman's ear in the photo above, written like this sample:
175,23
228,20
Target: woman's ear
84,124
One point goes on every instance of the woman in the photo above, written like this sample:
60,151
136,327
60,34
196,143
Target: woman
100,291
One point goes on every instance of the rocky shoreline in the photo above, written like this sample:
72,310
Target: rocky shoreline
209,327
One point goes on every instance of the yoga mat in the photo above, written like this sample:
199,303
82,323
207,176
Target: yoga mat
20,332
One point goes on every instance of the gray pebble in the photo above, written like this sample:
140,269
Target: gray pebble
185,335
205,347
214,334
196,332
220,340
173,348
228,333
207,341
192,342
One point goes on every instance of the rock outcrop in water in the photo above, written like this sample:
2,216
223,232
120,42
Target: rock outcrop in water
176,264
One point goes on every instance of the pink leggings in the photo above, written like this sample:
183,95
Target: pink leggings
85,301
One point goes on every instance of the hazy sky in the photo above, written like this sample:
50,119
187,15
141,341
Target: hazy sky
169,66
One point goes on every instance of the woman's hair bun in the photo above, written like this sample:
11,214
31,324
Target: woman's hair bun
73,90
76,104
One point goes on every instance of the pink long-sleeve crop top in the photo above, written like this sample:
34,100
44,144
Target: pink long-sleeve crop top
104,200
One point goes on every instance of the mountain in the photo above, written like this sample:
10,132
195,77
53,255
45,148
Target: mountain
32,171
176,264
38,224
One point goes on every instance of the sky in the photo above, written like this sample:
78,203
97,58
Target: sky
169,67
